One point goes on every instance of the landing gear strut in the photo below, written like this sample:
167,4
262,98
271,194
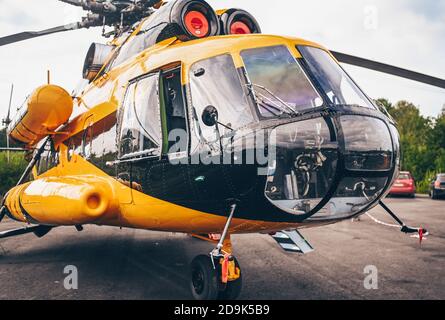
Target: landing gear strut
217,277
405,229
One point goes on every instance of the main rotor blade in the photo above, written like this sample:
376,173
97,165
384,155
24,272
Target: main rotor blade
389,69
34,34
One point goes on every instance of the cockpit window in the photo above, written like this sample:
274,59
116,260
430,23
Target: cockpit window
337,85
278,81
216,82
368,144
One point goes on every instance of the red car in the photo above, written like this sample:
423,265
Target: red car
404,185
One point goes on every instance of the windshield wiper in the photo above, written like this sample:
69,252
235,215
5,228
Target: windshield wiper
271,109
284,107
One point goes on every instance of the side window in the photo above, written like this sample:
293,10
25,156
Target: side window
87,143
75,145
216,82
140,131
49,158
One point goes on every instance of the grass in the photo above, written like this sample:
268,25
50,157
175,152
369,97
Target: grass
11,171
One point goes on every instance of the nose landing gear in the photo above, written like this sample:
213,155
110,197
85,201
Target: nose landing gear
218,276
215,283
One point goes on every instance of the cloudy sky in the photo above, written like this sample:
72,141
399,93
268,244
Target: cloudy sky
407,33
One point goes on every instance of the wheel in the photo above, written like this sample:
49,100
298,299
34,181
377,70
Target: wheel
433,195
204,279
232,289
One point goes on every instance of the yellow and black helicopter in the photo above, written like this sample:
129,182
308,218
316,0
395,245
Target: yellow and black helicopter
192,121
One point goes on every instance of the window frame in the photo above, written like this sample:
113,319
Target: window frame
49,160
184,88
243,80
320,88
307,75
154,153
86,147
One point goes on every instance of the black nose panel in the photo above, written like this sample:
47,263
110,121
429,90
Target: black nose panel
302,165
328,171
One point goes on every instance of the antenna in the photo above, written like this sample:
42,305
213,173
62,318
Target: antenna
7,121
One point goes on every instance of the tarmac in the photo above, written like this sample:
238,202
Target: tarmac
134,264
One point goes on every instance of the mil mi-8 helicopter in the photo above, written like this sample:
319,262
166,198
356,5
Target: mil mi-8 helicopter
194,122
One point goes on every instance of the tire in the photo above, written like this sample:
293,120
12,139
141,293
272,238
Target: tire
204,281
433,195
232,289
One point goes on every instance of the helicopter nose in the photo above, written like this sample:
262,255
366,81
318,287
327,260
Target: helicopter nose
331,168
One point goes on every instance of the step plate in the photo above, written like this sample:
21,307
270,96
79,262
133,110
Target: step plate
293,241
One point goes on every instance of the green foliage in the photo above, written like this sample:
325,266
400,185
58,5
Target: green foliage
422,141
11,171
12,143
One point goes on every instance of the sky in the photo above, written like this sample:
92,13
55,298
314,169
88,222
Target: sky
406,33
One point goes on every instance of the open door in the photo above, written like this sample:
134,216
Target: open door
140,133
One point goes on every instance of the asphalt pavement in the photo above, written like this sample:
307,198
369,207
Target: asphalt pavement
134,264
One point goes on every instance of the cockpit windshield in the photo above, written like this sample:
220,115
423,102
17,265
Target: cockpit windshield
335,82
279,82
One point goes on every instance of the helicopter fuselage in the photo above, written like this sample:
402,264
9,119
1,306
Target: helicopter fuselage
295,143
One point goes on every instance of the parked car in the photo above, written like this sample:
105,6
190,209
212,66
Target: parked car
437,187
404,185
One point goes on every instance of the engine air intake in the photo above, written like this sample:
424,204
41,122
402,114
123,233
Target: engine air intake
238,21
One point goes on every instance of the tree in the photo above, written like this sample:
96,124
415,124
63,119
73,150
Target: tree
437,142
386,104
3,143
422,141
10,171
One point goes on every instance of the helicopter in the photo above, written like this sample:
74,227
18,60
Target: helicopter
193,121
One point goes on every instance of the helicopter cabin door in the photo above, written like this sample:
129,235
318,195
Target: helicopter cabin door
173,111
154,136
140,131
169,179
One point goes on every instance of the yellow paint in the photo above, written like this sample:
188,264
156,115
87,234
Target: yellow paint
220,12
77,192
68,200
110,89
60,197
233,273
47,108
